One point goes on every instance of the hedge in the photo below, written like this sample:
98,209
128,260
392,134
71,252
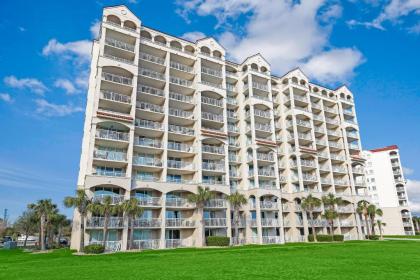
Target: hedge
94,249
372,237
326,238
218,241
417,232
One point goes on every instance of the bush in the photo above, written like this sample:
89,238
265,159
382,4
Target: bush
94,249
372,237
311,238
417,232
218,241
338,237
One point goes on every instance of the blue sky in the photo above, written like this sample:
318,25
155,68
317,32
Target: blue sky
373,46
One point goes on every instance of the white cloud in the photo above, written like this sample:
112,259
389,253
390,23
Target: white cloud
32,84
413,189
66,85
6,98
334,65
78,49
94,29
48,109
193,36
22,29
132,1
394,11
408,171
286,33
415,29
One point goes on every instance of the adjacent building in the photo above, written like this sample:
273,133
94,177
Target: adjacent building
165,115
386,186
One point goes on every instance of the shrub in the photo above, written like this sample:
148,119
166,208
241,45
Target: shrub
218,241
324,238
311,238
417,232
338,237
372,237
94,249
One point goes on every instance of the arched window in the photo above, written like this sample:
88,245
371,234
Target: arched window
217,54
176,45
145,35
189,49
160,40
254,66
130,25
264,69
205,50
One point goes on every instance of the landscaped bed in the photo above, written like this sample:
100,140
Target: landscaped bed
348,260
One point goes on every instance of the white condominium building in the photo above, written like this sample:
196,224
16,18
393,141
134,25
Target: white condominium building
165,115
386,186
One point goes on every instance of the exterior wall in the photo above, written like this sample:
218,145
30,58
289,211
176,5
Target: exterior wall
386,187
165,115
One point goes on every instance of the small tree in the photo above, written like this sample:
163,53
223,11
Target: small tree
309,204
27,224
131,210
105,209
202,196
380,225
81,203
362,208
330,213
236,201
58,223
44,209
373,211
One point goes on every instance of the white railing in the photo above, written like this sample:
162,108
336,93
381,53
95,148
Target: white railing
111,134
262,127
110,246
177,164
260,86
213,149
215,166
271,239
117,58
268,172
149,201
265,156
180,113
147,161
119,44
262,113
211,72
270,222
179,202
220,86
109,155
212,117
179,81
216,203
147,142
345,209
179,222
212,101
112,172
232,128
309,177
146,244
180,129
146,223
214,181
151,74
215,222
115,198
149,107
109,95
301,98
99,222
335,145
117,79
318,223
181,67
268,205
150,90
175,243
180,97
148,124
231,101
151,58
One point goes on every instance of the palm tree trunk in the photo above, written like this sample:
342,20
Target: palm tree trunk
203,228
82,233
26,239
236,213
42,233
380,229
105,229
311,215
332,229
130,240
367,225
372,221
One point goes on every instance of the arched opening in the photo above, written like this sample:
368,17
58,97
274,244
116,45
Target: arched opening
217,54
331,95
341,95
176,45
205,50
348,97
254,66
315,89
189,49
130,25
303,82
160,40
285,81
263,69
244,68
115,193
145,35
113,20
324,92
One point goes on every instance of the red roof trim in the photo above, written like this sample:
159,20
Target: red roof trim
387,148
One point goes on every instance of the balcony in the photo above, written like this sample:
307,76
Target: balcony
212,101
109,155
269,205
331,121
339,169
147,142
215,203
149,201
117,79
113,96
147,161
317,223
262,114
213,166
330,110
266,172
141,123
149,107
119,44
231,101
117,58
111,134
262,127
181,67
180,129
215,222
335,145
180,147
345,223
178,164
270,222
348,111
151,58
175,243
211,72
179,223
99,222
146,223
147,244
299,122
215,85
214,181
150,90
301,98
341,182
151,74
180,82
180,97
180,113
115,198
345,209
309,177
260,86
212,117
265,156
178,202
213,149
109,171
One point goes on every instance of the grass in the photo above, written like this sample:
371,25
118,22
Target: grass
403,236
349,260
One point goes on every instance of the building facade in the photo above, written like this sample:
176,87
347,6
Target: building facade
165,115
386,187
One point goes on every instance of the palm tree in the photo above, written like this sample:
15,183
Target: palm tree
27,224
202,196
105,209
132,210
44,209
58,223
373,211
362,208
236,201
309,204
81,202
416,222
380,225
330,213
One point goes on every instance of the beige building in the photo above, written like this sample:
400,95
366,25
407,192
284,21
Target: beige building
165,115
386,186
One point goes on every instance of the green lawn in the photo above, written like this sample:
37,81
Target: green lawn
403,236
350,260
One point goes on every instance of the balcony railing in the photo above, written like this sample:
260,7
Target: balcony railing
215,203
271,239
267,172
110,155
179,222
180,113
149,107
213,166
260,86
99,222
212,117
148,124
181,67
213,149
265,156
179,81
180,129
175,243
179,202
214,181
146,223
180,147
149,201
300,98
335,145
111,134
117,79
231,101
268,204
111,172
147,161
117,58
309,177
151,74
211,72
150,90
262,127
212,101
151,58
119,44
109,95
215,222
180,97
115,198
207,83
270,222
147,142
146,244
179,164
